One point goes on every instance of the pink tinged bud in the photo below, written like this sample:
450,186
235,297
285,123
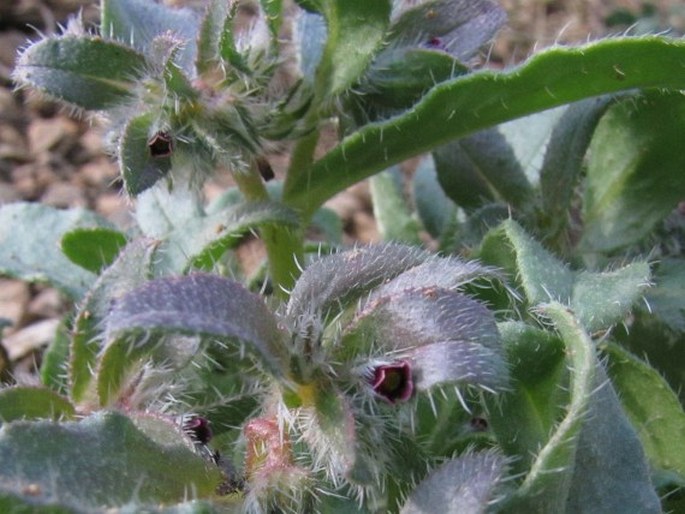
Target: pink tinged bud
393,382
268,449
160,145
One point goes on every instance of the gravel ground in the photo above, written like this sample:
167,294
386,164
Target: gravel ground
47,156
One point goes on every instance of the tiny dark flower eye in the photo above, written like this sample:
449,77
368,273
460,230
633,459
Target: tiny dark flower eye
198,429
478,424
393,382
435,43
160,145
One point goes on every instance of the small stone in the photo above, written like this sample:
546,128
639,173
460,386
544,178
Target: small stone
52,134
25,183
98,173
14,299
364,227
30,338
48,303
10,41
8,194
64,195
13,145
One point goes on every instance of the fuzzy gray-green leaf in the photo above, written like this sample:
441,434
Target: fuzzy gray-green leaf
435,209
24,402
102,460
38,258
87,72
390,209
465,485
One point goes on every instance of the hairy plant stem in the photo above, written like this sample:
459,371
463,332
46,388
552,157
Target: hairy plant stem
284,247
301,160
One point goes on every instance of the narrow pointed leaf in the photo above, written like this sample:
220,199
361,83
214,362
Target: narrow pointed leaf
652,407
132,268
462,106
38,258
138,23
435,209
24,402
101,460
465,485
93,248
87,72
208,306
634,176
55,361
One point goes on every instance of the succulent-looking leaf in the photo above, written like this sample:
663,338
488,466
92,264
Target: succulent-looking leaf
103,460
138,23
84,71
38,258
23,402
209,306
343,277
92,248
465,485
460,27
132,268
652,407
634,176
465,105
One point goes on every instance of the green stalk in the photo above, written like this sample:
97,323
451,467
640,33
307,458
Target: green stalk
284,247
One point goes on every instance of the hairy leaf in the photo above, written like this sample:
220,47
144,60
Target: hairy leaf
138,23
390,209
132,267
212,307
465,485
435,209
99,461
87,72
665,299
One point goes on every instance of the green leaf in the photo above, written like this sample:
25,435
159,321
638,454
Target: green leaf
482,168
600,300
465,485
38,258
666,298
139,168
634,176
209,306
434,207
24,402
101,461
350,45
129,270
92,248
390,209
524,417
55,360
541,275
138,23
160,210
84,71
564,157
652,407
465,105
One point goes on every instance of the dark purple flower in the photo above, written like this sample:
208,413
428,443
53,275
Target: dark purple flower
198,429
393,382
160,145
436,43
